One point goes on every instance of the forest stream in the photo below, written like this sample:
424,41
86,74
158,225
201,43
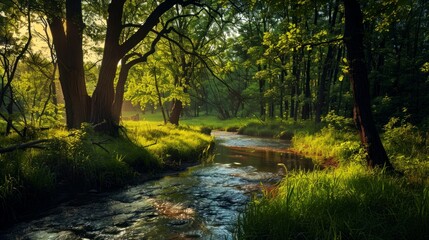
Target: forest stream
202,202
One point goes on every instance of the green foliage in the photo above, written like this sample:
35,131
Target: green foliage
339,122
37,175
408,147
347,203
425,67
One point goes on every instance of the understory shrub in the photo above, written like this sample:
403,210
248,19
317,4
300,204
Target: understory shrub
408,148
278,129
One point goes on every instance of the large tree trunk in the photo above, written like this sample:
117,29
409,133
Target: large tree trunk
353,35
68,46
104,93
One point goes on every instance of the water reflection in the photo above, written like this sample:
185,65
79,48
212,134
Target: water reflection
263,154
200,203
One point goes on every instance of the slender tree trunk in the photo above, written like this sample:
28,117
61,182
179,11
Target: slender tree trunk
120,90
296,72
307,91
282,93
321,91
54,96
261,98
292,101
9,109
175,112
353,35
161,105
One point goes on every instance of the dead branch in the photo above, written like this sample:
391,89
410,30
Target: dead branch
32,144
101,146
156,141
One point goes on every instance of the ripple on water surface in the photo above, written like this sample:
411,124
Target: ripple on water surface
200,203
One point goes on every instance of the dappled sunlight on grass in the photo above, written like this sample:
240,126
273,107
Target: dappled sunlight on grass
208,121
170,143
329,143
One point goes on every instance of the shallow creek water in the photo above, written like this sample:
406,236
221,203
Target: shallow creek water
202,202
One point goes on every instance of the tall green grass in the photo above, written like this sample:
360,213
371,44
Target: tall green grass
351,201
214,122
204,121
329,143
346,203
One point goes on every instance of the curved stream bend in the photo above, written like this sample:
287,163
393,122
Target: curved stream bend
200,203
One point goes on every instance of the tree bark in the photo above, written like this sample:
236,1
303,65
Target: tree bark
68,46
353,37
104,93
175,112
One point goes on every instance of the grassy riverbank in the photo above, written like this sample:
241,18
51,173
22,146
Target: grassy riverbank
348,201
345,203
82,160
337,140
203,121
